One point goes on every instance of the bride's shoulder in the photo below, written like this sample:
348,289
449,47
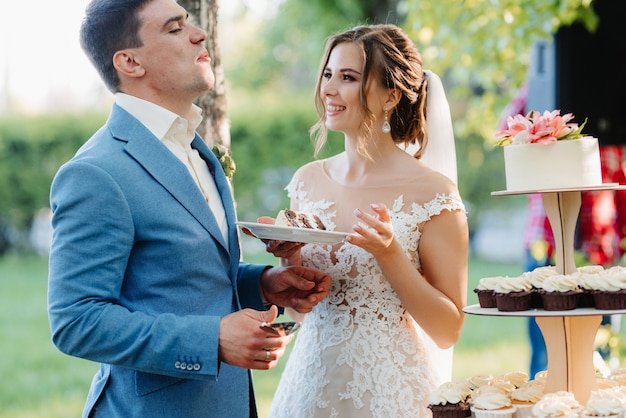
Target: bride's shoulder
431,179
318,166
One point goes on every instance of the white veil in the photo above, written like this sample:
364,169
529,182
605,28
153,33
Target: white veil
440,153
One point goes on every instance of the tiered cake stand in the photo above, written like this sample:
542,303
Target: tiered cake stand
569,335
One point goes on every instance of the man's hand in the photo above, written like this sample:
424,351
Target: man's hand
296,287
244,343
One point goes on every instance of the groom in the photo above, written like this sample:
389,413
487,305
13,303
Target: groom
145,274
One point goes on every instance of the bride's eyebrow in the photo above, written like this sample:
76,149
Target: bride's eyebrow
344,70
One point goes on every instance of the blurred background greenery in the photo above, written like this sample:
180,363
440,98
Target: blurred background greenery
270,57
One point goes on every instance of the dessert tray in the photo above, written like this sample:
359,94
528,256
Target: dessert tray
287,233
477,310
603,186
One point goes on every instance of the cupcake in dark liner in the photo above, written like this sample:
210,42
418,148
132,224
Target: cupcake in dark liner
560,292
514,294
485,291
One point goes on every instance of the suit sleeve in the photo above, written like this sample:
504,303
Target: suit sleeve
96,311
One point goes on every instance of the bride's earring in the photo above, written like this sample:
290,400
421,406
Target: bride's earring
386,126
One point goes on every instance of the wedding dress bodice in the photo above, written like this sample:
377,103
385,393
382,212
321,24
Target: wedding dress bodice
359,352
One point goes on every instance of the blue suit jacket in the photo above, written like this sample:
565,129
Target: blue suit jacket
140,276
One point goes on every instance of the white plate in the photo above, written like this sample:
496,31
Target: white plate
287,233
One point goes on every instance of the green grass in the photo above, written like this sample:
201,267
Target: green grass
37,381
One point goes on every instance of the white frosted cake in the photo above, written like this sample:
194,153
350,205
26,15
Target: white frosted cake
563,164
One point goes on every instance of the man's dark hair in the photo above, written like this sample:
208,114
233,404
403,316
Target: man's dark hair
110,26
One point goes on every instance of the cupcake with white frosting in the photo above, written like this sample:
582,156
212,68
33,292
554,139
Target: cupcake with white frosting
587,277
560,404
559,292
485,291
479,380
609,292
514,294
450,400
604,403
516,378
492,404
537,277
525,397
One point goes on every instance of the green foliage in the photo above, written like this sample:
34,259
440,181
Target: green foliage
483,47
31,151
270,141
480,48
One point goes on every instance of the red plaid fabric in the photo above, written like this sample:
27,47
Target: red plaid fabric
602,226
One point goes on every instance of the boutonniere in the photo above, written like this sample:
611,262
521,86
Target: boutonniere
226,161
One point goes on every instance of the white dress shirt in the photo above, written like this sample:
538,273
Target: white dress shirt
177,133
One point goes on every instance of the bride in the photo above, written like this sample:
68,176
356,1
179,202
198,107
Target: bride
381,340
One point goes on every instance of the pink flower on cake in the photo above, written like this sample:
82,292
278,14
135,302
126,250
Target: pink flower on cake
537,128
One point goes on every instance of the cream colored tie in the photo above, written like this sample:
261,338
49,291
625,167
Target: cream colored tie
196,169
178,140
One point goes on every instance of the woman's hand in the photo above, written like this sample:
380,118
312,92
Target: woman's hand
374,233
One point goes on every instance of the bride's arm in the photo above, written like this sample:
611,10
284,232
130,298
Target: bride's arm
436,298
443,251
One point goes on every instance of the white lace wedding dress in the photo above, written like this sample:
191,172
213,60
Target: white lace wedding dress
359,353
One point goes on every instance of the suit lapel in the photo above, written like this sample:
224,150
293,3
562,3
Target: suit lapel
223,186
166,169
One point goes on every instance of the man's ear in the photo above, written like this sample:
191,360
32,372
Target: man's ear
124,62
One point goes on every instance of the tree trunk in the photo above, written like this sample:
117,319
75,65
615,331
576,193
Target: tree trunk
214,128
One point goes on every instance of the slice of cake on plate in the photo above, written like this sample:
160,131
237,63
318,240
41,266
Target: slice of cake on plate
292,218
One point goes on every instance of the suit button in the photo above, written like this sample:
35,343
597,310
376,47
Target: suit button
189,366
197,366
177,364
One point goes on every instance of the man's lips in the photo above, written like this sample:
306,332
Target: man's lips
204,57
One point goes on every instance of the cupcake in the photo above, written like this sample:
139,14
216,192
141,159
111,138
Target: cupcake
537,277
560,404
610,290
592,269
479,380
525,397
559,292
485,291
450,400
604,403
606,382
516,378
587,278
514,294
502,385
492,404
619,378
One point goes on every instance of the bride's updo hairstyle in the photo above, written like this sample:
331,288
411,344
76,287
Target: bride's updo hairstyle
391,59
